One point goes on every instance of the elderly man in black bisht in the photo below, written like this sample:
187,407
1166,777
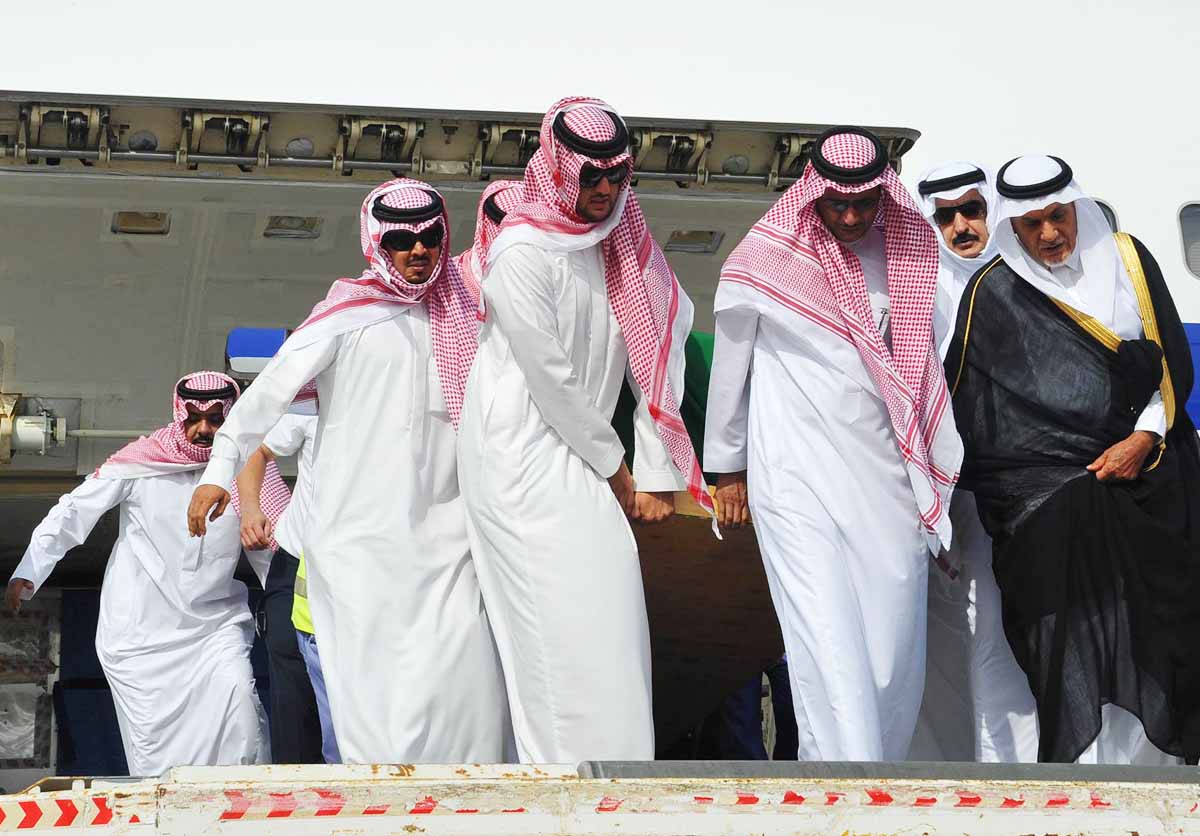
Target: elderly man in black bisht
1069,369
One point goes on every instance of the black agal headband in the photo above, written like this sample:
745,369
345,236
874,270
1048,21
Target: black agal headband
841,174
1032,190
189,394
494,212
946,184
601,150
399,215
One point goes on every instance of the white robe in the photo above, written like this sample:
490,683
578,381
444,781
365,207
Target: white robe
556,555
837,523
977,704
295,435
175,632
407,652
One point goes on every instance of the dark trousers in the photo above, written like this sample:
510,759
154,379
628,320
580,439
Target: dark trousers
736,732
295,725
787,736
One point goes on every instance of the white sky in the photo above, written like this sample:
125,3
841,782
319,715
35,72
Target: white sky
1111,86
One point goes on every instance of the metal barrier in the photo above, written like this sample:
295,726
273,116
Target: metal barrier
604,798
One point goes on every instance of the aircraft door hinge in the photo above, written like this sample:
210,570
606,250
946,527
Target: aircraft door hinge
683,153
224,134
379,141
67,127
524,139
789,151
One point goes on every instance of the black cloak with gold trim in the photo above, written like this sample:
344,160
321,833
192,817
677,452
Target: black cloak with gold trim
1100,581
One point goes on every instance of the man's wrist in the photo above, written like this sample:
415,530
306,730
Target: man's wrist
220,473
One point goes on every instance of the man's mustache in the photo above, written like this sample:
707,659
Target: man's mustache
965,238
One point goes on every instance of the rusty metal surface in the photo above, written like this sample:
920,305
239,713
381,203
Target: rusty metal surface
402,799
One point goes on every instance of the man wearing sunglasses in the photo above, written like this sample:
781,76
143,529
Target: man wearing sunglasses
577,298
406,649
174,632
955,197
970,662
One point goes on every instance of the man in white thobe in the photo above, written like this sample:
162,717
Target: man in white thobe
827,410
407,652
497,199
175,632
578,297
977,704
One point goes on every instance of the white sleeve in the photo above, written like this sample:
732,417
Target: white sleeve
261,406
522,301
1154,417
728,410
287,437
67,525
260,562
653,468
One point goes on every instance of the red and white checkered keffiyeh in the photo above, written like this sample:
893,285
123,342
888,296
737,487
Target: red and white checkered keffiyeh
306,401
355,303
473,261
167,450
792,259
642,289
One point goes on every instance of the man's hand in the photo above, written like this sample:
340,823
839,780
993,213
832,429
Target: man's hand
12,595
1123,461
621,483
733,508
655,507
204,499
256,529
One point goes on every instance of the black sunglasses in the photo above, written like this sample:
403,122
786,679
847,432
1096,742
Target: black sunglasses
590,176
970,210
839,207
403,240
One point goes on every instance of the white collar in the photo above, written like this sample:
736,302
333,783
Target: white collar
1073,262
560,242
1096,291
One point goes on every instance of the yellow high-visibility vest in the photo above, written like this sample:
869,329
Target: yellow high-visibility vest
301,616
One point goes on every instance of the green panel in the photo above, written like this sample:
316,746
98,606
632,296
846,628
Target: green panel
698,352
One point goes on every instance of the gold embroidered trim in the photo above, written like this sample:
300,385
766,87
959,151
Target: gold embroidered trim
1133,266
962,362
1095,328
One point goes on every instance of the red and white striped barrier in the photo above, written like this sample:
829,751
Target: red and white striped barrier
525,800
68,810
